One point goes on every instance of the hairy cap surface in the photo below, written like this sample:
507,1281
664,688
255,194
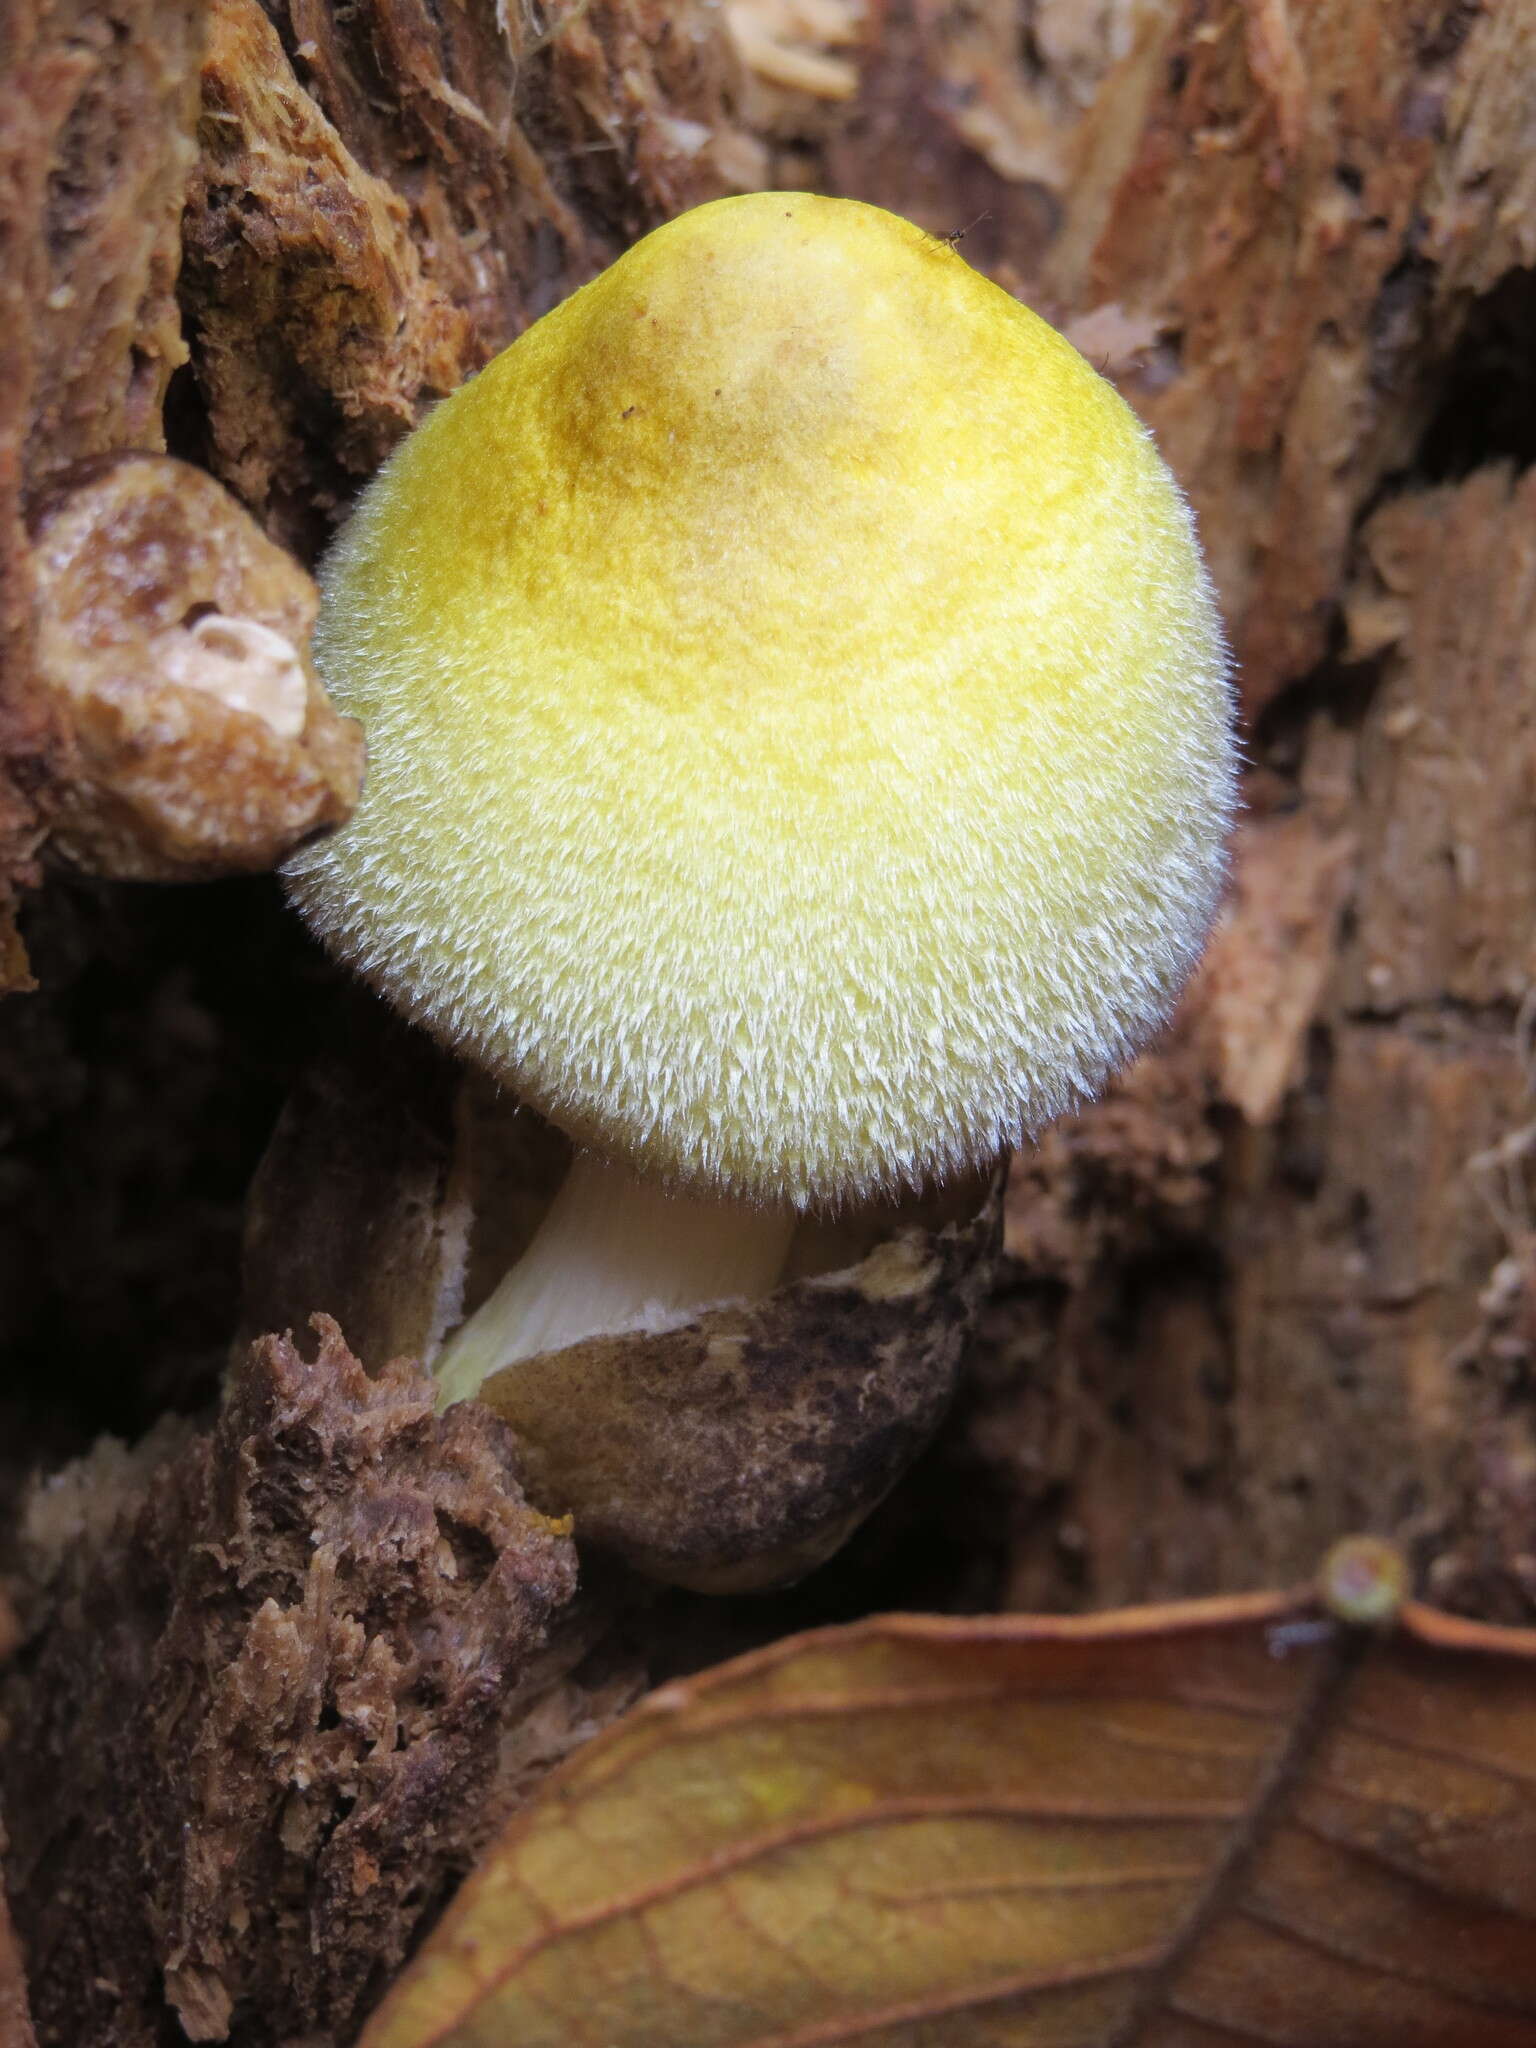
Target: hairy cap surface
798,727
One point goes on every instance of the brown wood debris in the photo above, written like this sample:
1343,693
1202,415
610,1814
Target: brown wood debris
384,199
318,334
258,1735
1303,202
732,1452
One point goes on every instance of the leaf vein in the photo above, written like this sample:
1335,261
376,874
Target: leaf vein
849,2026
758,1848
1400,1972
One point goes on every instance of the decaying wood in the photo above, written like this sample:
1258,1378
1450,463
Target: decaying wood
385,198
368,207
96,109
1273,1287
258,1733
1311,201
1277,1285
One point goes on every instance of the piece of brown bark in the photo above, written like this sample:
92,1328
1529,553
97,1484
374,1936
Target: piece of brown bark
735,1450
256,1735
1300,203
964,118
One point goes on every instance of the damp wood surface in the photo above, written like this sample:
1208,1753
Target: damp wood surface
1281,1283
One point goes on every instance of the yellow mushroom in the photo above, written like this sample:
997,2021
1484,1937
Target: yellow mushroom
799,744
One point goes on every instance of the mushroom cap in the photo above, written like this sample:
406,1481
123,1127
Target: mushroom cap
798,719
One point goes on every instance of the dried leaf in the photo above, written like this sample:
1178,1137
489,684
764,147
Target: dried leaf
1197,1826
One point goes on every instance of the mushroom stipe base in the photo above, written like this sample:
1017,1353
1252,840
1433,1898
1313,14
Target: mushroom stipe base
615,1254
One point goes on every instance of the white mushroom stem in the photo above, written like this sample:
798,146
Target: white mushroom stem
614,1253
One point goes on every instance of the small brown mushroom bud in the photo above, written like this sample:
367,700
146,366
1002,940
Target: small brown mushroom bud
175,636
